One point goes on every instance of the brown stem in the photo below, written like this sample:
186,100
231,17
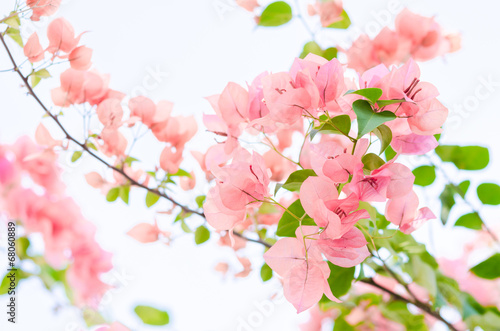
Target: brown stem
132,181
427,309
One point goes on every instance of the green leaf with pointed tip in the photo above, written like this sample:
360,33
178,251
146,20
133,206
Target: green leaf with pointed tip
384,134
113,194
201,235
372,161
151,199
389,153
383,103
371,93
424,175
125,193
76,155
13,21
447,198
266,273
489,193
152,316
464,157
340,279
463,187
489,268
343,23
471,221
276,14
368,119
288,223
200,200
296,179
15,35
312,47
337,125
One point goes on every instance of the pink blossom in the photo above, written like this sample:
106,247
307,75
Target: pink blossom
33,50
80,58
43,8
402,211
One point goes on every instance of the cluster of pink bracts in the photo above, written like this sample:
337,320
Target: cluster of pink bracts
276,106
44,208
416,36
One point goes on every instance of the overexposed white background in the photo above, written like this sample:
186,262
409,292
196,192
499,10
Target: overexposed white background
201,45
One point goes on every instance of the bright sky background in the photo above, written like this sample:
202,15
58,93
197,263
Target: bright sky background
201,48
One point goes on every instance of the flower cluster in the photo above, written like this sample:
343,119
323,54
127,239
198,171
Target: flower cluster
395,47
31,191
337,172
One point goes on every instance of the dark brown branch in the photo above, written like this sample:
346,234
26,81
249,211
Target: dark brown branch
97,157
426,308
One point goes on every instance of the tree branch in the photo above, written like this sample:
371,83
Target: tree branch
426,308
85,148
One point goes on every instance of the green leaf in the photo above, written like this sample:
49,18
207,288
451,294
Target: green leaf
266,273
371,93
152,316
22,245
288,224
296,179
13,21
368,119
330,53
340,279
113,194
125,193
384,134
200,200
389,153
76,156
463,187
471,221
129,160
489,268
151,199
489,193
464,157
92,317
277,13
313,48
37,76
201,235
337,125
447,198
344,23
372,161
15,35
4,286
383,103
424,175
181,173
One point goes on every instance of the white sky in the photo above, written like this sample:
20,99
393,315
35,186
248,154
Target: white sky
202,49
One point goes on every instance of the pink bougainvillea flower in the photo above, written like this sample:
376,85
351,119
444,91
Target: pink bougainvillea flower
61,36
245,181
80,58
329,11
247,267
249,5
389,181
44,138
171,159
304,280
279,166
413,144
114,143
33,49
43,8
285,102
110,113
145,232
346,251
402,211
143,108
188,183
331,160
429,118
330,83
78,87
